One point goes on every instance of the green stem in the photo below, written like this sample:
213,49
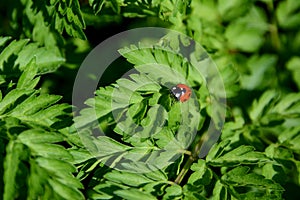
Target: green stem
275,40
184,170
189,162
275,37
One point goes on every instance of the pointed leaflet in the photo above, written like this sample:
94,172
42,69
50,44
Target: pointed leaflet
34,104
232,157
260,69
202,175
97,5
54,151
27,105
289,105
116,99
59,176
51,159
127,178
47,59
159,64
290,138
58,167
65,191
62,16
87,119
283,163
294,66
217,150
57,114
260,107
13,156
153,122
104,148
240,177
230,79
287,14
10,99
173,192
80,155
3,40
39,109
232,9
134,194
270,109
39,136
27,80
12,49
220,191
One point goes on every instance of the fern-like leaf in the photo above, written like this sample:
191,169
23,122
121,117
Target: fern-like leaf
63,15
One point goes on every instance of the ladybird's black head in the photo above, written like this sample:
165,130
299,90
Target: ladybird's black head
177,92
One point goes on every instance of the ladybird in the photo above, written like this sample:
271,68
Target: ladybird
181,92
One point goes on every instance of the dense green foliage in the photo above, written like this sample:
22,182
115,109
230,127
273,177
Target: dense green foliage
255,45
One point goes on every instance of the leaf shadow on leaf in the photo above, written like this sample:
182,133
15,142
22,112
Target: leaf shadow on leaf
9,69
64,120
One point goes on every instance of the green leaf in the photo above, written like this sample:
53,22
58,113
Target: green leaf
287,14
159,64
289,105
97,5
153,123
14,153
164,137
201,175
3,40
63,16
217,150
55,166
27,80
47,59
34,104
271,110
34,110
260,107
220,191
80,155
18,55
115,4
294,66
290,137
36,182
50,151
246,33
283,163
240,155
240,177
134,194
173,192
260,68
39,136
157,175
12,50
127,178
65,191
230,78
193,193
109,146
51,116
230,10
11,98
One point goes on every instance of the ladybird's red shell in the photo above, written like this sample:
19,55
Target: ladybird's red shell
182,92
